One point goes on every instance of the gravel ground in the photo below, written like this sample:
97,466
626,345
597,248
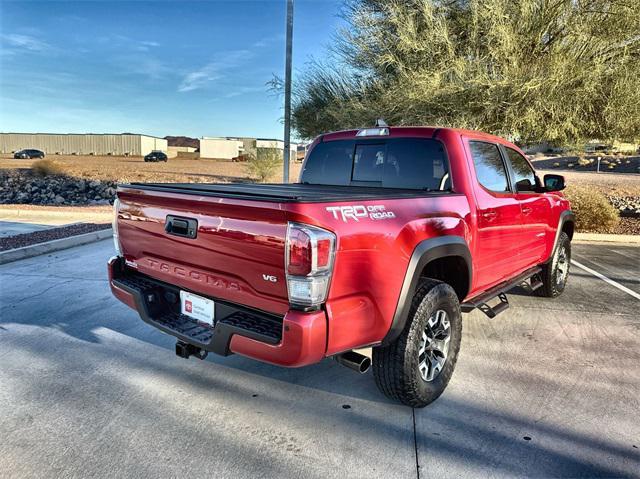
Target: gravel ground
57,209
123,169
608,163
19,241
610,184
628,226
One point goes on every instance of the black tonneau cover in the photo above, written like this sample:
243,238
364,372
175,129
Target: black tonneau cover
284,193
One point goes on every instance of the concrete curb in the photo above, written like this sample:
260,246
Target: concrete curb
605,238
22,213
55,245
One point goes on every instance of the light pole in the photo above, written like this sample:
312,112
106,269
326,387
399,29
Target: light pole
287,92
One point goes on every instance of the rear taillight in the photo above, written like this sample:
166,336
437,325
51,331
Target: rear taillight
309,262
116,239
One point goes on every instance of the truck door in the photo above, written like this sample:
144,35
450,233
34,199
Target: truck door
499,220
535,207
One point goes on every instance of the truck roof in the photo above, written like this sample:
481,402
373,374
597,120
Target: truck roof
413,131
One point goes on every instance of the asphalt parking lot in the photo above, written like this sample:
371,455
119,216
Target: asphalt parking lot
549,388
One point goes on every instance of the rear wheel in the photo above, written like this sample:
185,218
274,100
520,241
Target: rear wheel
416,368
555,273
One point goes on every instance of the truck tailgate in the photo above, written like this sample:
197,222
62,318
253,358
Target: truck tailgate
237,253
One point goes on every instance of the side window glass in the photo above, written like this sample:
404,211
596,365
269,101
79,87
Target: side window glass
490,169
525,178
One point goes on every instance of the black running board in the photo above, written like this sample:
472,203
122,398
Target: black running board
499,291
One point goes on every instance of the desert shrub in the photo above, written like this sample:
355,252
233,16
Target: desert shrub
592,209
264,163
584,161
47,168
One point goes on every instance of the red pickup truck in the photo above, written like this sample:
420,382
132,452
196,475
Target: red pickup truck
390,233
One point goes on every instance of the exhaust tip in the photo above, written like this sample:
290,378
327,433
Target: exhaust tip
365,365
355,361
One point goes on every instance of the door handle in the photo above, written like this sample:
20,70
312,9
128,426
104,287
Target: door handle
490,215
526,210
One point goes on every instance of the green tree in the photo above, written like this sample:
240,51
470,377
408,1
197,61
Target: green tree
554,70
262,165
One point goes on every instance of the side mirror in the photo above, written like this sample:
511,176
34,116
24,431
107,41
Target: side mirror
554,182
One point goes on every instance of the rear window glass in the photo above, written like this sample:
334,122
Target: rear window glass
412,163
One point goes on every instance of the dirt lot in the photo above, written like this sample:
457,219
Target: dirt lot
130,169
127,169
608,163
611,184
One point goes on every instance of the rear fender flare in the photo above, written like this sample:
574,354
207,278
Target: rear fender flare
425,252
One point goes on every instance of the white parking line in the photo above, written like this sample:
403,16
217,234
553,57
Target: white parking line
606,280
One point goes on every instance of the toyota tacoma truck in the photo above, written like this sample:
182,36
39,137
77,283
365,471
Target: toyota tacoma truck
389,234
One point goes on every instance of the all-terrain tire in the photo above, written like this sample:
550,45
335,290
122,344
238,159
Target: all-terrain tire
396,366
553,279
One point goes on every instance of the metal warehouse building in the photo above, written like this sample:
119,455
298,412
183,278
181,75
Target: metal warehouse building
230,147
82,144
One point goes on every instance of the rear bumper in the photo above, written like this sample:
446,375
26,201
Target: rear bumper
297,339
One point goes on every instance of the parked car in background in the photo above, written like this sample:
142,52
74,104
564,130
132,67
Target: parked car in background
156,156
240,158
28,154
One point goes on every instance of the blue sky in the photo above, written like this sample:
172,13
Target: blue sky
159,68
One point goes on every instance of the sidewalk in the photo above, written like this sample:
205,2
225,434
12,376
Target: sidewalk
23,219
605,238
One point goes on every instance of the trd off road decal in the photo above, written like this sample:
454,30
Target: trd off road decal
357,212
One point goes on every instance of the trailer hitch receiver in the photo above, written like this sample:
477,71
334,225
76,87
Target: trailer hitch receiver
185,350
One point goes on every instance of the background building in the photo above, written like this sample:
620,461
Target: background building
279,144
230,147
220,148
82,144
182,151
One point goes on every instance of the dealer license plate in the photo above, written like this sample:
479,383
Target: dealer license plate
197,307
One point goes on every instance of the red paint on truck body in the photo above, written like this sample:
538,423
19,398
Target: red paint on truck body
238,241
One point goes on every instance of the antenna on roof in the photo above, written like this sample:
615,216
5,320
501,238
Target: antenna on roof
381,123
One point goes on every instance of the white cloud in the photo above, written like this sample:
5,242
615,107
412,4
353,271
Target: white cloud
145,46
265,42
244,90
24,42
214,70
226,61
154,68
123,42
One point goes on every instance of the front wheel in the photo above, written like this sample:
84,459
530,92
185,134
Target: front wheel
416,368
555,273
